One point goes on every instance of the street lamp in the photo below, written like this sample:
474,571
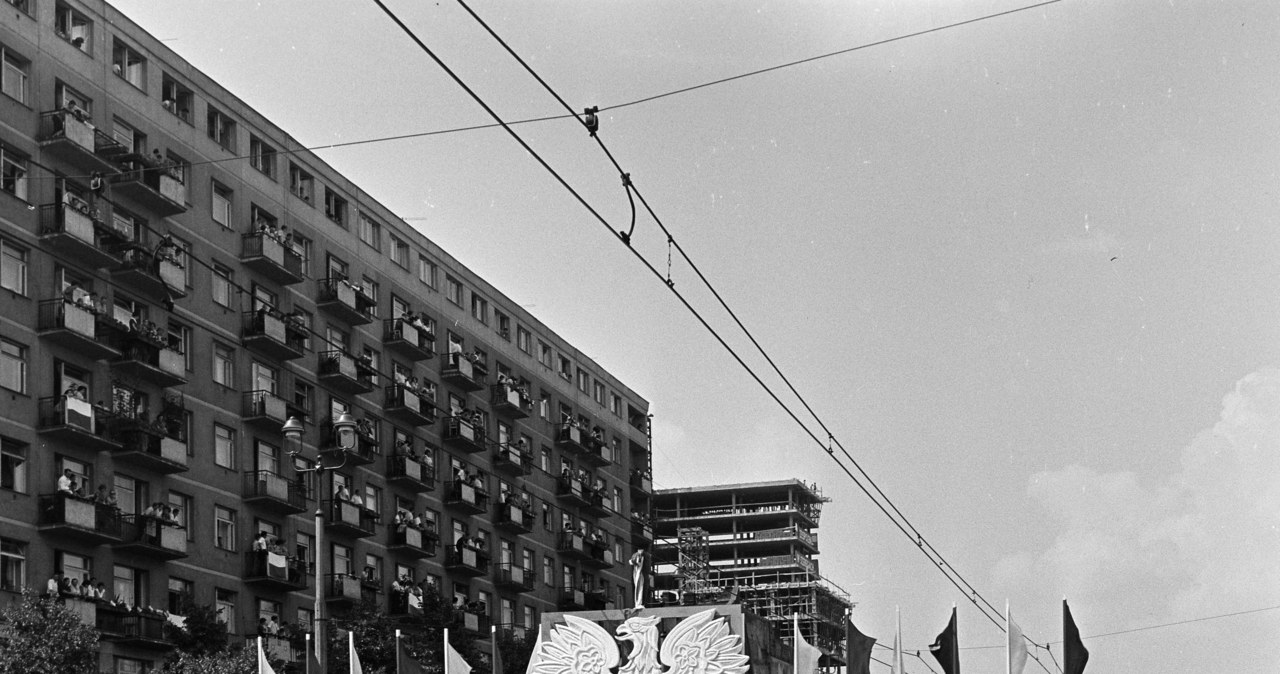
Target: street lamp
344,435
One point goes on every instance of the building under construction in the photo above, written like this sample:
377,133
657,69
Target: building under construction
756,544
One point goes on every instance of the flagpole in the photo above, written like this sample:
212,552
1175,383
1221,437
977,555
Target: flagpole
493,645
306,668
397,651
795,642
1008,641
445,650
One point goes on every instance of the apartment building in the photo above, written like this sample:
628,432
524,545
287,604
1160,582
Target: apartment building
194,311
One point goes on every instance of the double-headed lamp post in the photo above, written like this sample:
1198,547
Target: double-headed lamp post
344,436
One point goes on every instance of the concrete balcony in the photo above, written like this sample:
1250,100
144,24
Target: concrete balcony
476,623
509,401
513,460
461,372
272,336
344,590
348,519
264,409
572,599
570,437
148,445
342,373
408,340
572,545
465,497
367,447
572,491
273,492
466,562
601,554
343,301
407,406
79,230
595,452
151,538
159,190
411,473
144,358
641,533
73,139
641,482
129,628
513,517
413,542
271,258
513,577
274,571
79,519
74,327
75,422
462,435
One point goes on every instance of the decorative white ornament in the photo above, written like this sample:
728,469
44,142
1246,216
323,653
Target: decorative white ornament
699,644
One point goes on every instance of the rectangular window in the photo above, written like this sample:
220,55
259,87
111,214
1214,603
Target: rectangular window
224,446
13,565
370,231
304,248
176,97
479,308
128,136
453,289
221,128
615,404
13,366
222,285
180,595
13,172
504,325
426,271
74,27
128,64
597,393
565,369
181,505
225,603
262,157
583,380
224,528
224,365
13,79
335,207
23,6
13,465
399,252
524,340
220,209
301,184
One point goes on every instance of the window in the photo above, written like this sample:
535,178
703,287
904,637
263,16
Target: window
182,255
303,394
225,602
301,184
370,287
73,565
545,461
224,365
262,219
544,354
597,393
221,128
220,209
504,325
128,64
262,157
583,380
337,268
453,290
222,285
13,79
524,340
125,665
125,134
370,231
224,528
399,252
180,595
13,565
548,570
23,6
176,98
566,369
335,207
13,171
13,465
224,446
303,247
479,308
181,504
13,366
131,584
615,404
73,27
426,271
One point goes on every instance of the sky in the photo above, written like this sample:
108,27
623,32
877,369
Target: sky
1024,269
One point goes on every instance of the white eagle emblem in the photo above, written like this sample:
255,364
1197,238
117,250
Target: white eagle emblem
699,644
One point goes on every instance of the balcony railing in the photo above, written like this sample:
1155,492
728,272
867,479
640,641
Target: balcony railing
462,434
408,339
573,491
344,301
152,537
344,589
466,561
595,452
72,326
143,357
340,371
569,436
268,490
79,518
411,472
510,401
573,545
514,460
270,257
158,445
158,189
477,623
601,554
145,630
412,541
572,599
349,519
71,137
74,420
80,229
275,570
512,576
406,405
158,278
514,517
461,372
641,532
641,482
272,335
265,409
466,497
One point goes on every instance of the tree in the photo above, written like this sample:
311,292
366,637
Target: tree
44,636
228,661
516,652
423,636
202,634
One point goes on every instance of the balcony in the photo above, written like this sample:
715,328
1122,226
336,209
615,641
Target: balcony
513,631
74,327
595,452
573,491
511,576
466,561
513,517
404,404
461,434
79,230
513,460
348,519
475,622
152,538
601,554
366,447
128,628
271,258
73,139
510,401
278,648
157,445
157,277
466,497
272,336
80,519
412,541
409,340
572,599
573,545
273,492
597,600
343,301
641,482
344,589
570,437
145,357
274,571
411,473
461,372
75,422
264,409
158,189
641,532
341,372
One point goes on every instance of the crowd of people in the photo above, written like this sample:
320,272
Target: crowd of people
474,478
61,586
422,388
420,322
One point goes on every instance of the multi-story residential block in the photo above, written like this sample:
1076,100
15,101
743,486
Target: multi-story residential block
753,543
179,280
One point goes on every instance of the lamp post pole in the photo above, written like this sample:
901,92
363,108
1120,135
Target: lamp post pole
345,440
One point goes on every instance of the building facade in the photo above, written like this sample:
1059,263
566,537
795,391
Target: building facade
179,279
753,543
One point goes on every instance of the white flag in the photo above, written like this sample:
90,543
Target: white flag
264,667
355,659
1017,645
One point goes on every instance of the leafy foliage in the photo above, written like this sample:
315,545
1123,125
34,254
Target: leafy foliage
44,636
226,661
203,634
423,637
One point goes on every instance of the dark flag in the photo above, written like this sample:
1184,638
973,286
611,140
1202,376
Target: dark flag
405,663
858,647
946,648
1076,656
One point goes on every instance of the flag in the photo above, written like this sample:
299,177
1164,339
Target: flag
1076,656
536,655
313,661
496,659
897,665
405,663
946,648
1017,647
805,655
453,662
264,667
858,647
352,658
